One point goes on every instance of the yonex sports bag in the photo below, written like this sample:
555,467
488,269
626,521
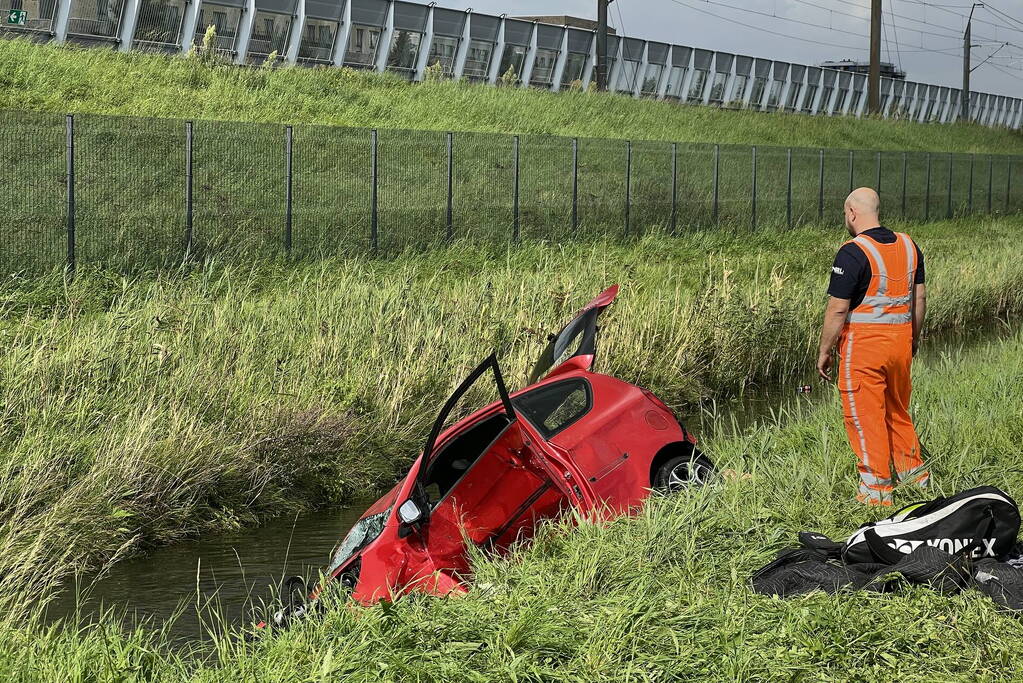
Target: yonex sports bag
981,522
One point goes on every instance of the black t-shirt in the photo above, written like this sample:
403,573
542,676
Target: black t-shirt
850,275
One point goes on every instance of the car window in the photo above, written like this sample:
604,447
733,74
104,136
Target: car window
576,338
553,407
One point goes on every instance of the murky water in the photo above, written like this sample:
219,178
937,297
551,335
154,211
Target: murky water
220,579
224,579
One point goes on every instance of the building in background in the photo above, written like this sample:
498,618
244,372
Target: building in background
888,69
550,52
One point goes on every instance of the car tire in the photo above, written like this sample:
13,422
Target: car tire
679,473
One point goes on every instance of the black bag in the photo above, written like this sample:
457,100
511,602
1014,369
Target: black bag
981,523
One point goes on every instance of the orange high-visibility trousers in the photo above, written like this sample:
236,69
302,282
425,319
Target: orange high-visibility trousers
876,352
874,381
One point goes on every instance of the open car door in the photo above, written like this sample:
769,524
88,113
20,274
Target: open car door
485,483
575,346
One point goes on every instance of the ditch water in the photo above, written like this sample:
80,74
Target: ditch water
225,579
210,582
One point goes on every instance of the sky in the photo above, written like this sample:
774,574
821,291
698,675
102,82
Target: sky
924,38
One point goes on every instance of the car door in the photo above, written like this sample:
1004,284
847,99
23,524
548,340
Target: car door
485,483
575,346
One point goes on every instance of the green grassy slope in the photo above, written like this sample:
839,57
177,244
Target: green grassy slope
139,410
65,79
661,597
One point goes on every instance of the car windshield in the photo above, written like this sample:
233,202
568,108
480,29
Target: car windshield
365,531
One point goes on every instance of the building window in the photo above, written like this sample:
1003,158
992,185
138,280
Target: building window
811,95
543,68
575,69
884,102
717,88
696,89
739,91
774,97
856,100
159,23
759,86
404,51
318,40
477,60
362,46
939,114
225,22
826,100
512,60
843,95
792,101
629,76
95,18
443,51
270,33
652,79
676,81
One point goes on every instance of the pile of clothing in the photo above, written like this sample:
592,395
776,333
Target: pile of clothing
966,541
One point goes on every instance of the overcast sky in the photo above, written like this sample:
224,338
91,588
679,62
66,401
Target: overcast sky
924,38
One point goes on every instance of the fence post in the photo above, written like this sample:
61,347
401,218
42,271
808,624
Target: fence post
717,186
879,173
70,155
628,185
674,187
754,216
851,163
373,236
927,195
948,205
820,189
973,158
575,184
1008,184
788,190
515,199
905,179
288,142
451,187
188,190
990,180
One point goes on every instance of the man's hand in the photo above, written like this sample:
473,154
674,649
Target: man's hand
824,361
916,345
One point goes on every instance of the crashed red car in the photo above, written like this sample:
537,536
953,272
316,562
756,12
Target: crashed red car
573,438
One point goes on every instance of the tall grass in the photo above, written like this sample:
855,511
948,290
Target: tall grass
68,79
660,597
135,411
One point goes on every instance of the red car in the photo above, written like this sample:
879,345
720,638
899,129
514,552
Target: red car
573,438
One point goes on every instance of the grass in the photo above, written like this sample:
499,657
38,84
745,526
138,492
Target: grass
139,410
130,182
660,597
66,79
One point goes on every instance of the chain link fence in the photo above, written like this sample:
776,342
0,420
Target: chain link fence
130,193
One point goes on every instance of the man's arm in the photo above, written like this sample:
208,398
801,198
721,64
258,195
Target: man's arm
834,321
919,313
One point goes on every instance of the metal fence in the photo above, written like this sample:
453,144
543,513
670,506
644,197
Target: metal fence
131,193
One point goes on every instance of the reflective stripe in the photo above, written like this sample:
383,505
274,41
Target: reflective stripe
852,397
881,318
886,300
882,274
874,495
869,479
918,475
910,256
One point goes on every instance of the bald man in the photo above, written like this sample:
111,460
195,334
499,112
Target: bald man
874,316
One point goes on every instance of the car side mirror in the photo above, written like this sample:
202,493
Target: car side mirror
409,512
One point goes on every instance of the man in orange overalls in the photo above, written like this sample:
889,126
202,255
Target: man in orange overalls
875,313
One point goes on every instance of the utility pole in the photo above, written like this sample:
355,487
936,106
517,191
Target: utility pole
874,79
964,114
602,44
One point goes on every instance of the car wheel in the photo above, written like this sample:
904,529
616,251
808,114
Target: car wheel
683,471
